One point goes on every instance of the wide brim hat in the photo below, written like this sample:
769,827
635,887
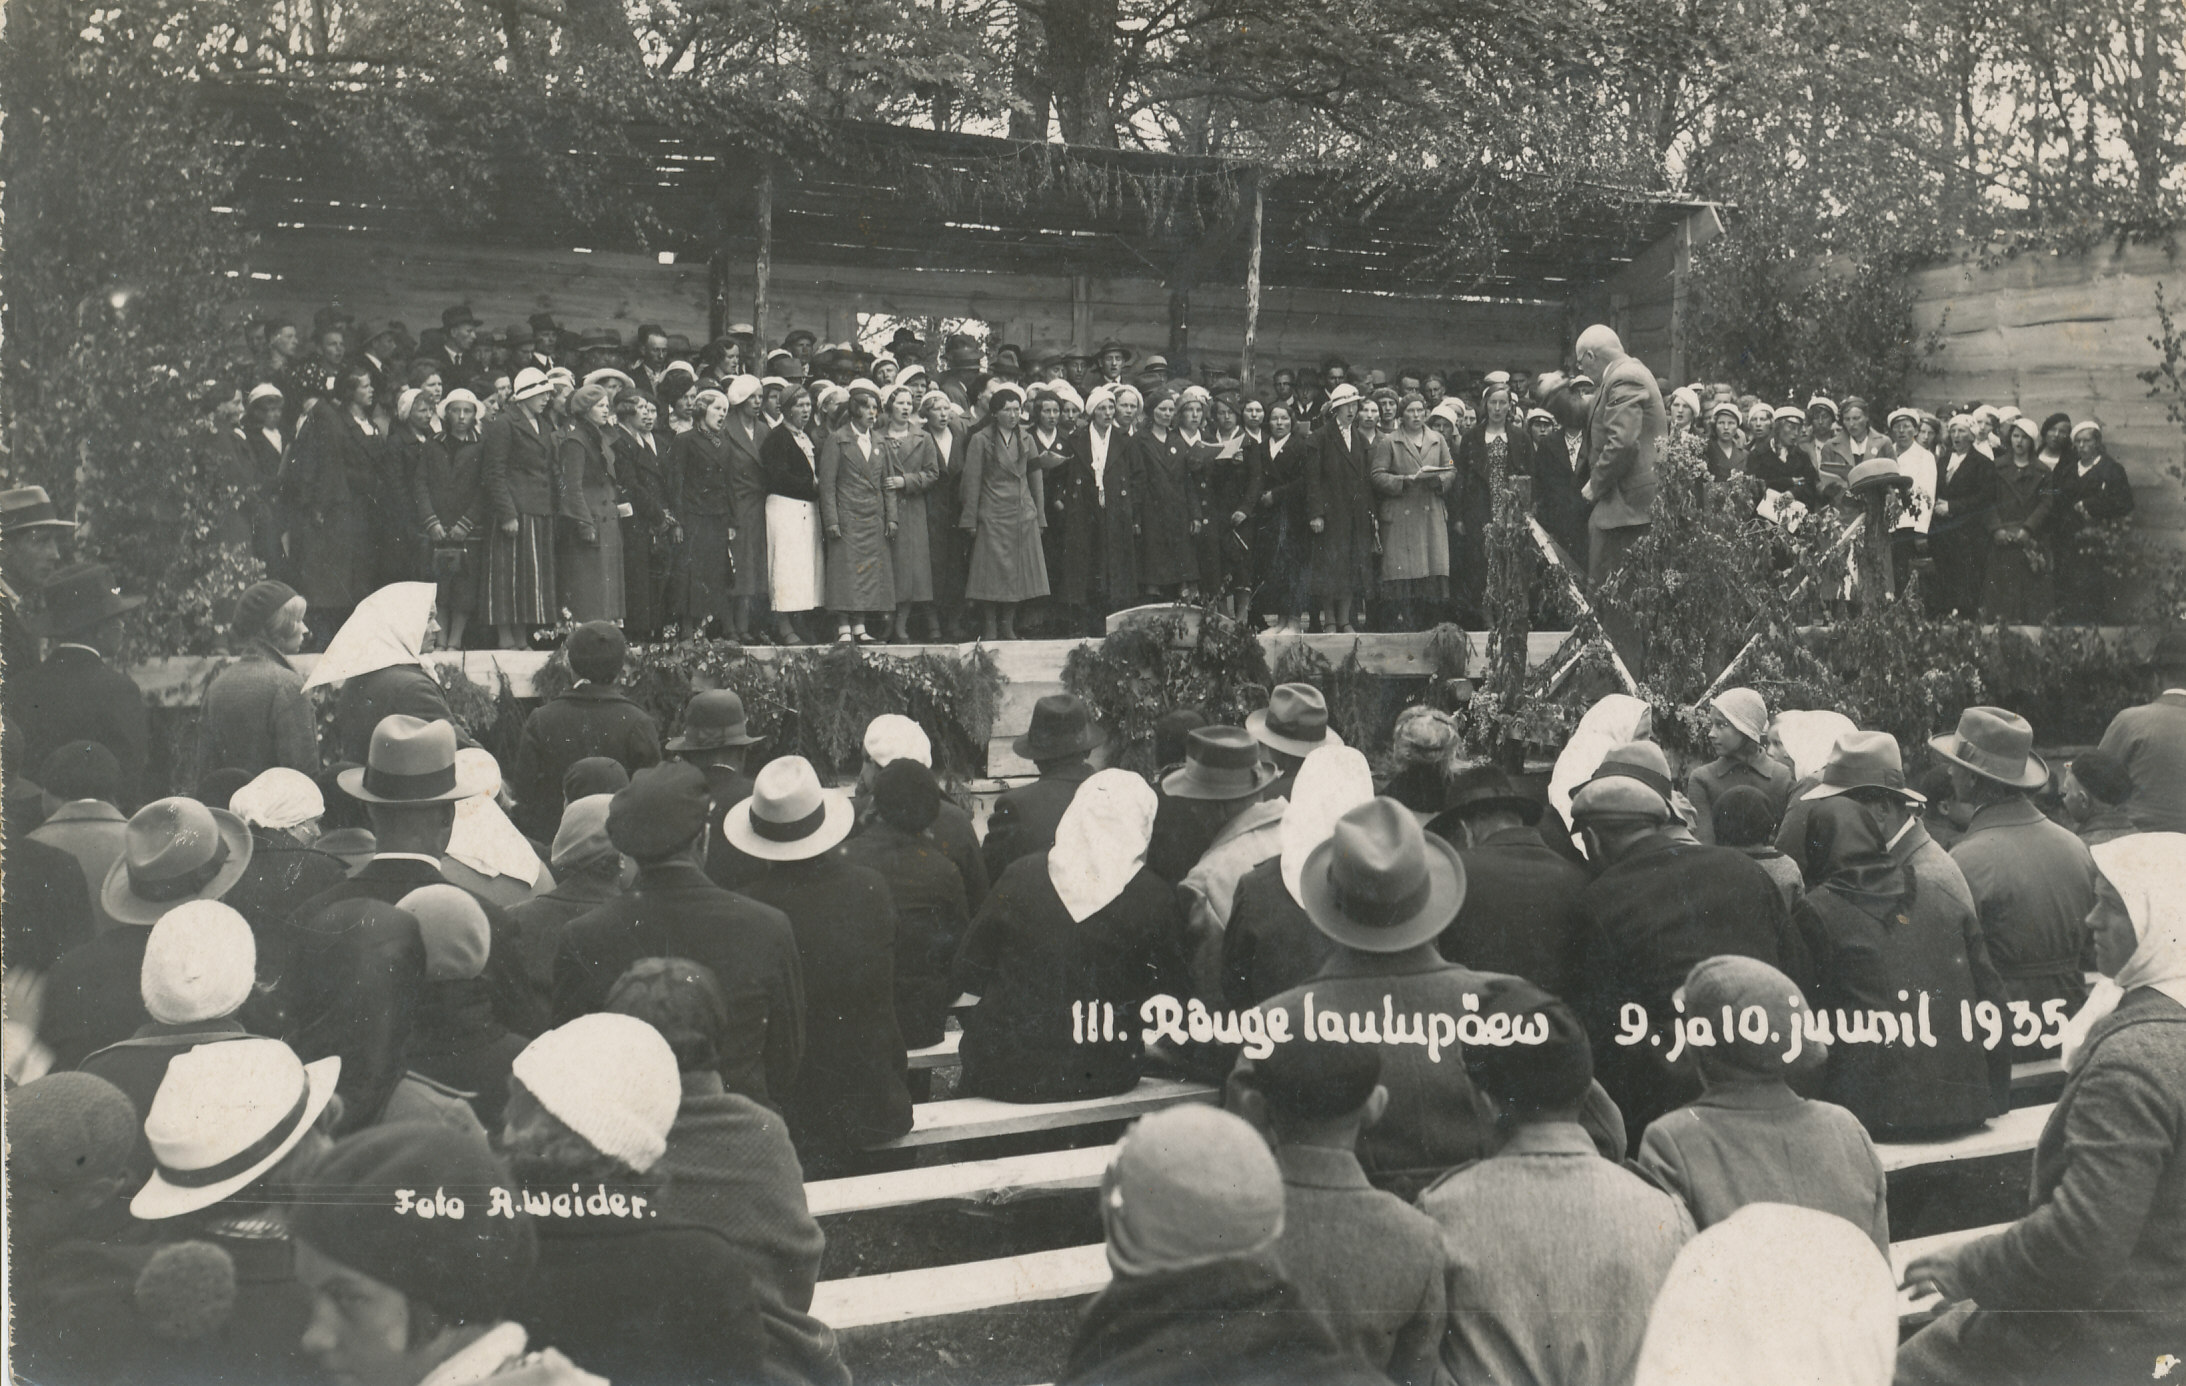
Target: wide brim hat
29,507
79,598
1876,473
712,738
118,894
162,1197
1343,394
1995,744
1282,737
1221,764
1111,344
1058,730
1417,917
405,764
1864,760
788,816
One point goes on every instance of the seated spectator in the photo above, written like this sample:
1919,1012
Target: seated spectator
82,784
1769,1286
199,965
1180,839
1877,939
487,854
458,1043
177,851
1024,820
1068,935
592,775
1547,1224
1423,746
1744,821
1193,1208
931,919
2151,740
1521,913
401,1301
80,692
1221,786
592,718
2089,1283
588,872
730,1166
256,714
2097,789
1373,1263
672,910
283,810
853,1092
716,738
1749,1138
1271,945
1738,720
891,737
378,658
1292,726
638,1299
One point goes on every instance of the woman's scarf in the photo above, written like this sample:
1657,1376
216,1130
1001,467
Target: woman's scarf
484,839
1809,736
1333,781
386,629
1608,724
2145,869
1100,845
1845,852
280,798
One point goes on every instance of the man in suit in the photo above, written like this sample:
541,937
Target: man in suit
31,531
1094,522
715,736
459,334
1060,738
1521,913
77,694
1625,433
660,820
409,785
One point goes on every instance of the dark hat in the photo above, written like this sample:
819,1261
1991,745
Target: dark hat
1295,721
906,339
458,316
80,597
1014,352
2102,773
1109,344
799,334
600,339
711,720
174,851
593,775
1061,725
906,795
1379,884
469,1268
1482,788
517,335
1053,356
596,650
1220,763
1996,744
81,770
410,761
259,604
1555,1072
544,322
660,811
28,507
1317,1082
1743,817
965,356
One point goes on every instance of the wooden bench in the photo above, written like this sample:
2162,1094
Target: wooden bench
942,1055
2010,1134
1902,1254
975,1181
2040,1081
972,1118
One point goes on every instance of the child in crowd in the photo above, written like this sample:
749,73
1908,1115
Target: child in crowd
1372,1261
1744,820
1738,720
1749,1138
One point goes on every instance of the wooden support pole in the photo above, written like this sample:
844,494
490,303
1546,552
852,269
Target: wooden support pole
763,264
1575,591
1252,283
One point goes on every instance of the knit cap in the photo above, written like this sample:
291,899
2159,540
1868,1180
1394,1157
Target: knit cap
1189,1186
453,924
611,1079
199,963
593,775
469,1268
596,651
1745,710
660,811
892,736
582,838
258,605
1736,983
67,1129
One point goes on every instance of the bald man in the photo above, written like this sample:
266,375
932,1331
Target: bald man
1626,433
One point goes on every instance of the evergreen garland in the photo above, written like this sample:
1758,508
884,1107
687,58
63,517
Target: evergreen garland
1150,667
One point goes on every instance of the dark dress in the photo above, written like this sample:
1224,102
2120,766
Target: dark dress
340,468
1959,541
1230,486
1168,507
450,489
1284,551
643,486
2090,492
1340,494
931,918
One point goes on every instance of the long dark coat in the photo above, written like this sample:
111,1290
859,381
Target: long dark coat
1168,507
853,1092
1959,541
1283,551
931,918
699,473
948,549
1557,502
368,698
77,696
1340,494
1097,543
2089,490
1028,961
340,469
638,471
1521,914
588,720
747,480
1024,819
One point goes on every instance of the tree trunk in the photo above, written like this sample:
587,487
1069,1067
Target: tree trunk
1083,55
599,26
1029,79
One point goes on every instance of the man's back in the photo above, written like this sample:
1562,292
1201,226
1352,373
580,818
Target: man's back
931,920
1624,442
2033,885
1555,1255
1371,1260
1521,913
588,720
1270,945
1024,819
2151,739
76,696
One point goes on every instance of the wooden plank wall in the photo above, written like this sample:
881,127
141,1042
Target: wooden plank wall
1642,301
2048,332
296,273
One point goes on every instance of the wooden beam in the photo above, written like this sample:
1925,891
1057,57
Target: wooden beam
1252,283
762,264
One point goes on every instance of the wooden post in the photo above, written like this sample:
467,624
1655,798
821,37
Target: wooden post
763,265
1252,283
1880,567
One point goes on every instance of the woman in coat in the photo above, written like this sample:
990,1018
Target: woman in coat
1231,484
1083,924
590,562
914,470
2090,1284
520,451
1003,508
256,715
1285,547
1411,473
858,513
2090,490
449,487
340,456
1959,532
2015,589
701,474
1496,449
405,550
745,433
1168,514
1340,512
378,658
640,513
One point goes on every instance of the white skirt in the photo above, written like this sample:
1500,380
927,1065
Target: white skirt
796,571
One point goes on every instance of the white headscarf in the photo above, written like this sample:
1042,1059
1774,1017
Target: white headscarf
1101,842
1809,737
279,798
1777,1294
2145,869
1333,781
1608,724
386,629
484,839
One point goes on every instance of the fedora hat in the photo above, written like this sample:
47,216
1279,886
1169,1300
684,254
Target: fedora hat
1380,884
711,720
411,761
174,851
80,597
1876,473
28,507
227,1112
1062,725
1481,788
459,316
1295,721
544,322
1220,763
1345,393
788,816
1996,744
1109,344
1864,760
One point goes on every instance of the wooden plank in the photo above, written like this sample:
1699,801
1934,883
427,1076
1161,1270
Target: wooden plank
868,1301
2011,1134
971,1118
942,1055
976,1181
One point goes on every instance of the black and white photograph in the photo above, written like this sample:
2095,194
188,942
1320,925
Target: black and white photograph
1093,693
